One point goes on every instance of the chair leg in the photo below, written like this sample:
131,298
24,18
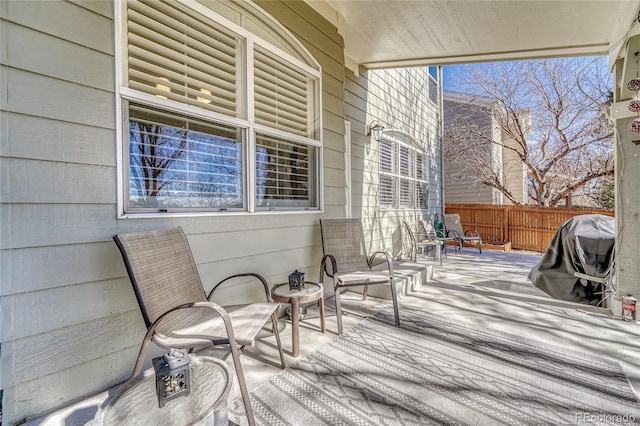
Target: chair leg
338,309
235,354
394,297
274,321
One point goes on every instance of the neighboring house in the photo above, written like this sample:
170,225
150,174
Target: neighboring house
237,121
463,156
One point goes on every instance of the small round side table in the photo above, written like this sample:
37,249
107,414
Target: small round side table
310,293
135,403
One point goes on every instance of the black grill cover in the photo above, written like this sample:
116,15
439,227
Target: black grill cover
582,244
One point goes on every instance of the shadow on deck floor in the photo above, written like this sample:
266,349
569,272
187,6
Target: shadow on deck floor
490,290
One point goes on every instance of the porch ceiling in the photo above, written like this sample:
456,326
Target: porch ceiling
381,34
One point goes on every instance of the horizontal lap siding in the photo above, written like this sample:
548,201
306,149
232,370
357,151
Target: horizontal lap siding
70,323
398,97
65,301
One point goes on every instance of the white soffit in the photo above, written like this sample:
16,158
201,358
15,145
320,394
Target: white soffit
395,33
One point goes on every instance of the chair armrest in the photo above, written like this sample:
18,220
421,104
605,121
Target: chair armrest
432,236
231,340
323,266
472,232
260,278
388,258
422,236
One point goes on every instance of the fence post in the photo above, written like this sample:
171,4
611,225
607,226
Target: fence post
506,225
542,231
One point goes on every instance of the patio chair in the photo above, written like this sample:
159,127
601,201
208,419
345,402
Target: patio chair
428,231
422,242
345,260
453,228
176,310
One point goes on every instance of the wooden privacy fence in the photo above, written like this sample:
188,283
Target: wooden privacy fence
525,227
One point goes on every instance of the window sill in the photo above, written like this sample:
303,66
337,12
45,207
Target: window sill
162,215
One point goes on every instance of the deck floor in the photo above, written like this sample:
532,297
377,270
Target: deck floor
490,290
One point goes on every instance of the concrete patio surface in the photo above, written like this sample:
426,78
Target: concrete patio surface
489,290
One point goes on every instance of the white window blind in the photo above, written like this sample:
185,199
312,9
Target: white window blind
285,176
387,191
422,181
407,194
282,95
176,54
403,174
388,161
433,90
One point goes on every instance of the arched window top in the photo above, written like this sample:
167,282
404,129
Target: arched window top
402,137
222,107
256,21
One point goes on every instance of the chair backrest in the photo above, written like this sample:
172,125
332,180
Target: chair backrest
427,228
409,233
161,269
452,223
432,230
344,240
413,242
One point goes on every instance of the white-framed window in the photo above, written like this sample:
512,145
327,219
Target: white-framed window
213,116
404,172
433,84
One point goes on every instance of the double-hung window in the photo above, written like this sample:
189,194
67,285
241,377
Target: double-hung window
220,110
404,173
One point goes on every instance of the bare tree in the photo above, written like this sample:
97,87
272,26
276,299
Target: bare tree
154,148
566,145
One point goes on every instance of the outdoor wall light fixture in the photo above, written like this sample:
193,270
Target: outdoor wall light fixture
172,375
375,129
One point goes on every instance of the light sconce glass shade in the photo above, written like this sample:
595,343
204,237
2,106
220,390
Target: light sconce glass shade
375,129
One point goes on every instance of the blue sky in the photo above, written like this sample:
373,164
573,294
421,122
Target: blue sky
449,71
446,75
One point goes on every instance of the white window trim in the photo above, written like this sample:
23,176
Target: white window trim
122,92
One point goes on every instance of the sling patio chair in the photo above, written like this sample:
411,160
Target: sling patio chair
176,310
422,242
429,230
453,228
345,260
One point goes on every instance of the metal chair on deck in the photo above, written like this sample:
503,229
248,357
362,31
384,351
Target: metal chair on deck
345,260
454,229
421,242
176,310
